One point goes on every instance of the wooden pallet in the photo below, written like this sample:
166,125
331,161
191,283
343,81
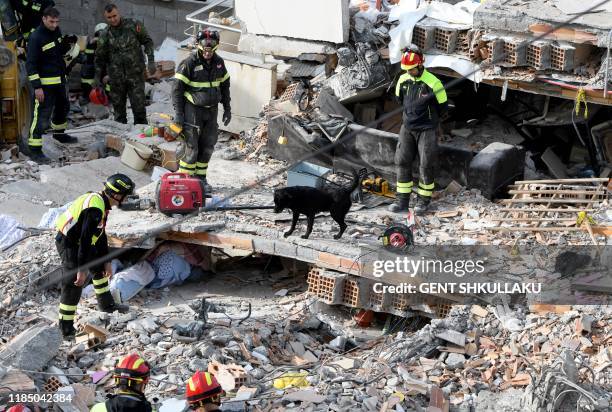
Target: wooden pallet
550,205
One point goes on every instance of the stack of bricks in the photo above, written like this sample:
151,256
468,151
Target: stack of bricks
514,52
52,385
326,285
538,55
445,39
230,377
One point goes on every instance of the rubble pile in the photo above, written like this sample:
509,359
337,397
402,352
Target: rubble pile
288,353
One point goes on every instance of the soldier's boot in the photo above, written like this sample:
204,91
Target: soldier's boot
37,155
401,204
67,329
206,188
422,204
107,304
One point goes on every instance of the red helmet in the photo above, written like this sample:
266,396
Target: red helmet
207,39
131,371
98,96
203,386
411,59
19,408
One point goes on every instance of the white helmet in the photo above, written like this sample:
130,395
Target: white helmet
100,27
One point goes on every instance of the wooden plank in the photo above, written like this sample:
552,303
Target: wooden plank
544,308
558,210
557,192
531,219
598,230
548,200
559,181
212,239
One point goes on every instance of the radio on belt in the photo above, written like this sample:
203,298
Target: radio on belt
179,193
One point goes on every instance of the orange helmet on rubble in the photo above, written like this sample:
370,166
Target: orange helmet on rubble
98,96
131,370
203,386
411,59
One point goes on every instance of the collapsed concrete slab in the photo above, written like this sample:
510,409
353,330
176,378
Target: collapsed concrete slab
253,84
295,19
281,46
33,348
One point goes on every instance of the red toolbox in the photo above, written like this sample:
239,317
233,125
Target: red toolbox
179,193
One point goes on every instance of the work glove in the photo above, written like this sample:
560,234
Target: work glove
151,67
227,115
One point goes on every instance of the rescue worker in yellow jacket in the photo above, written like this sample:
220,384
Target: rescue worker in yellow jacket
81,239
201,83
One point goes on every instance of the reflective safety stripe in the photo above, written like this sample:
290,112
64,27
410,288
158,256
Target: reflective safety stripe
401,80
87,81
70,217
98,282
186,165
61,126
138,362
48,46
107,87
201,172
35,141
201,165
89,51
66,317
191,83
208,378
34,77
189,97
423,192
428,187
100,291
65,307
47,81
404,187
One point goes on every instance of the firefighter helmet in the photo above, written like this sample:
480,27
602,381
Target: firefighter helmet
131,371
207,39
202,388
119,184
98,96
100,27
411,59
19,408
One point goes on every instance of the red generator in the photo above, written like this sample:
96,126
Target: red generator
179,193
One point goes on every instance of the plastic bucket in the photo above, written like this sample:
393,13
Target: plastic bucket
135,155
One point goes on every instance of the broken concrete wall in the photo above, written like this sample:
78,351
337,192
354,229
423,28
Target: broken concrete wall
253,84
321,20
161,19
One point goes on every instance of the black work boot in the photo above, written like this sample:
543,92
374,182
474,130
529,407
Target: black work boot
38,156
206,187
401,204
422,204
64,138
107,304
67,329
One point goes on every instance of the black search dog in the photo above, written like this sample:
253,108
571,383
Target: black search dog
309,201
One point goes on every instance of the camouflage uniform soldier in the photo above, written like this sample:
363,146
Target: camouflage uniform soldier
119,53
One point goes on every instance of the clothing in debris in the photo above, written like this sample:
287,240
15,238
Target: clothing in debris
200,85
119,54
47,71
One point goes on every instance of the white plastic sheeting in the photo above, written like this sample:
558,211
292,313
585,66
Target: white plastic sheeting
409,12
462,66
9,233
47,221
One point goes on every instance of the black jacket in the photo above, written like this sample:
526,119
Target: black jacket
424,100
202,83
124,402
45,58
80,235
30,13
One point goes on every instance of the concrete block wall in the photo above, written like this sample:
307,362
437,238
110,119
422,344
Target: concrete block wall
161,19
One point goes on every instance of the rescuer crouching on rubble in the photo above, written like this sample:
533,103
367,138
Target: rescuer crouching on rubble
201,83
131,376
203,392
424,101
81,239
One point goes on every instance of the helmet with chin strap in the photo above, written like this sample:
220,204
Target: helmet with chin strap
207,40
